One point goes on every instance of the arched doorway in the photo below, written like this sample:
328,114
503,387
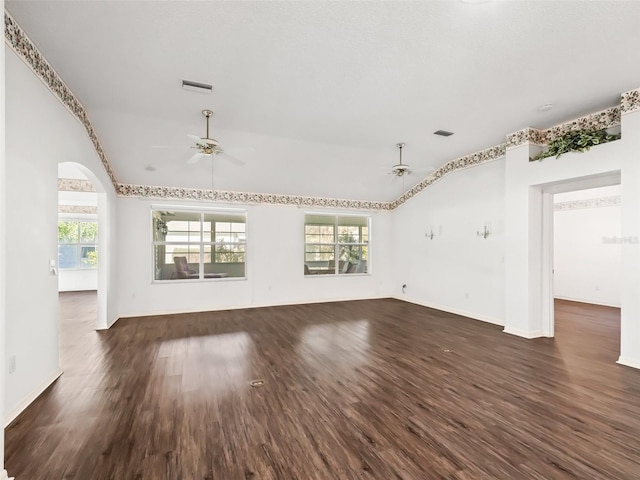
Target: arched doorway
83,250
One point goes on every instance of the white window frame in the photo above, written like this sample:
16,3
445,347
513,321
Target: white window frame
201,273
337,244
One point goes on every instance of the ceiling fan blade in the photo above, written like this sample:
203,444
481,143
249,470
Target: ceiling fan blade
232,159
196,139
195,159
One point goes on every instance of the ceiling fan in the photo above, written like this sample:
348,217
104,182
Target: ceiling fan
206,146
400,169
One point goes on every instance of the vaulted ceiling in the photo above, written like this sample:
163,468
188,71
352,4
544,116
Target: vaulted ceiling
313,96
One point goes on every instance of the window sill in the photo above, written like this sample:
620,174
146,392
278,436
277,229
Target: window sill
334,275
196,280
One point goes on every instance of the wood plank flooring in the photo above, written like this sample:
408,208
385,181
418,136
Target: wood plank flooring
375,389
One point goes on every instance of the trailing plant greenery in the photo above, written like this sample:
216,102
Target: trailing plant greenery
575,141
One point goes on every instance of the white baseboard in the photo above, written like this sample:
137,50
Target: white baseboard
455,311
31,397
110,323
5,476
590,302
523,333
628,362
244,307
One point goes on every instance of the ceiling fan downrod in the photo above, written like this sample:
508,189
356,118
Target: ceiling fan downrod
207,114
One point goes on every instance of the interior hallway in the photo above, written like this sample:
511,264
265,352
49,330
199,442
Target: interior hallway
366,389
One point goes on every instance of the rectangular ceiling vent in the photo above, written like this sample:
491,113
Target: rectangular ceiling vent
443,133
196,86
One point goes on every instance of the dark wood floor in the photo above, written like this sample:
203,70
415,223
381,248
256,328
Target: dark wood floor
354,390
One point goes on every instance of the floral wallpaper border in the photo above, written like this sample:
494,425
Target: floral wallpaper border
75,185
630,101
604,119
147,191
20,43
85,209
526,135
588,203
18,40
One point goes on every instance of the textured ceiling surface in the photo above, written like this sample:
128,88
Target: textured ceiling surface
313,96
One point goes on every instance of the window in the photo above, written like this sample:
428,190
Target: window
77,244
190,245
330,237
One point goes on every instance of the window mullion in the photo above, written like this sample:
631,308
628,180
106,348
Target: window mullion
336,248
201,248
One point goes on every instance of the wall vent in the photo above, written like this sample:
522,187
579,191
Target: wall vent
196,86
443,133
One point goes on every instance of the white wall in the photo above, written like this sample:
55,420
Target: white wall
275,265
587,257
77,280
31,217
456,271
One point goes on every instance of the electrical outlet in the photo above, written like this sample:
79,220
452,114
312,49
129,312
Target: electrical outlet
466,295
12,363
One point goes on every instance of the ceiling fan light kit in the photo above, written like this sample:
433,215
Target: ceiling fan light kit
206,145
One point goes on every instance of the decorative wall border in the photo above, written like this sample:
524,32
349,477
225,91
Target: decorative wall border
22,45
18,40
75,185
177,193
630,101
83,209
526,135
594,121
604,119
611,201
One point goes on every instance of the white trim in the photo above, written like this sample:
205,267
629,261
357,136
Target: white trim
523,333
244,307
455,311
588,302
5,476
32,396
109,324
547,309
628,362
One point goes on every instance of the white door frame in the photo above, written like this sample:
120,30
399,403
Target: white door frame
545,194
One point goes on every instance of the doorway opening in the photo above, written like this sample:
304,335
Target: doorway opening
587,265
583,249
82,246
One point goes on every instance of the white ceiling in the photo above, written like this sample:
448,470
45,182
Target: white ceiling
313,96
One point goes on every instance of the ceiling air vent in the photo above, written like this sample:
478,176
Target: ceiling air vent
197,87
443,133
